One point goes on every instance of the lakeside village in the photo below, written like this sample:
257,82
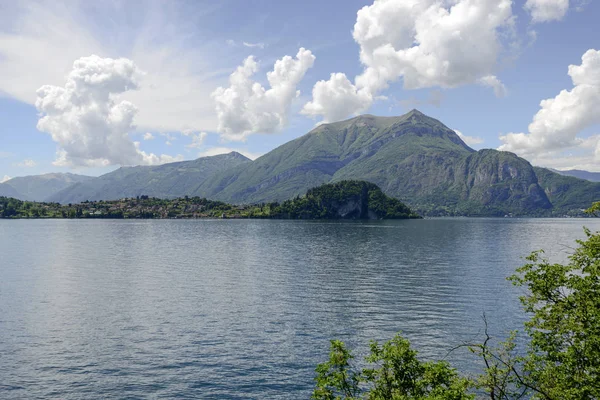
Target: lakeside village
138,207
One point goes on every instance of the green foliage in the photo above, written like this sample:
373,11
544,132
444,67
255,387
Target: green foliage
346,199
502,377
594,209
563,360
335,378
394,373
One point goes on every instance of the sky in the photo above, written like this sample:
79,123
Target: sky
88,86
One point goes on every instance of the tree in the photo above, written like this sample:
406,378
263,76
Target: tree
563,359
594,209
394,373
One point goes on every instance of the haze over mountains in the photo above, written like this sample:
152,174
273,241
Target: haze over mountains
577,173
39,187
163,181
413,157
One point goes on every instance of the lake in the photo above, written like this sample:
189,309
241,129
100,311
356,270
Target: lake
245,309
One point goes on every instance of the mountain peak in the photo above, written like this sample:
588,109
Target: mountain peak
415,112
235,154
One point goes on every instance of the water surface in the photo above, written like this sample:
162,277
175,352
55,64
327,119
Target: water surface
245,309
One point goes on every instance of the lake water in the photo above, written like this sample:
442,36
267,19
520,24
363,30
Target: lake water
245,309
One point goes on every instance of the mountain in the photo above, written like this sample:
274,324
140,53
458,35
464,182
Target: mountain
577,173
165,181
363,148
567,193
9,191
413,157
41,187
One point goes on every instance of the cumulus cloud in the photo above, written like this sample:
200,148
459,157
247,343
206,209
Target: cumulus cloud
214,151
179,77
427,43
246,107
27,163
197,140
469,140
153,159
557,124
86,120
6,178
148,136
547,10
332,99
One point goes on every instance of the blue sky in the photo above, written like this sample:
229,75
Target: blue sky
176,54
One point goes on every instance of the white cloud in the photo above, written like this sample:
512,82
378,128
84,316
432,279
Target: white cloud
6,178
197,140
153,159
335,98
214,151
493,82
179,79
148,136
259,45
547,10
86,120
556,125
427,43
246,107
469,140
27,163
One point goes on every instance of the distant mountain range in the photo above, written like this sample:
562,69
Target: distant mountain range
413,157
164,181
39,187
577,173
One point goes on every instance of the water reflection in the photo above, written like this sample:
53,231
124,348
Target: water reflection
244,309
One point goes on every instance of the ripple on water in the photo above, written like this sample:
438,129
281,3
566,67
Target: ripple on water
244,309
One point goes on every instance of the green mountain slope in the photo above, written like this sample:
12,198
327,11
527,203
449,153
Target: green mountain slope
163,181
359,148
41,187
569,195
412,157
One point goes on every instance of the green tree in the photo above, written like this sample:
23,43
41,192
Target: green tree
594,209
394,373
563,359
